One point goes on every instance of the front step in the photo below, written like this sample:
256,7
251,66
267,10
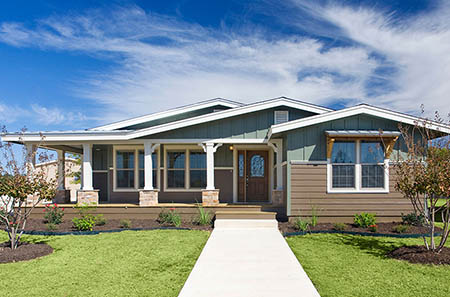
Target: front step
245,219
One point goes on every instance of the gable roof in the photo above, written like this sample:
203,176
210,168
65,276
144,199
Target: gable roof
356,110
168,113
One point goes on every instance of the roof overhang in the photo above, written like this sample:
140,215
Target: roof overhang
361,133
356,110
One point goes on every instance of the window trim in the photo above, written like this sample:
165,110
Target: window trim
358,175
136,150
187,176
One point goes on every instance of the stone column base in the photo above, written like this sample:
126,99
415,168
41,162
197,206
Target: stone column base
210,197
148,197
62,196
277,197
89,197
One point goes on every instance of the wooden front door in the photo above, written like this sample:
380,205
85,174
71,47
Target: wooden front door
253,179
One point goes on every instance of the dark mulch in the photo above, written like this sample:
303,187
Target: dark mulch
419,254
24,252
384,228
67,226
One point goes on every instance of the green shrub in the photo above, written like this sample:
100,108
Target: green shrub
100,220
53,214
314,218
170,217
372,228
204,217
340,226
52,227
125,224
364,220
85,223
413,219
301,225
401,228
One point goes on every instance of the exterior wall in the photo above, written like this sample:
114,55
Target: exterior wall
251,125
309,189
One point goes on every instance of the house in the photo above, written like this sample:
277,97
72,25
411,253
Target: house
287,155
70,184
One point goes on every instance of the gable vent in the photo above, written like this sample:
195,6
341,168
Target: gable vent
281,116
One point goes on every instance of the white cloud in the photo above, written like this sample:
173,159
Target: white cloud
52,116
163,62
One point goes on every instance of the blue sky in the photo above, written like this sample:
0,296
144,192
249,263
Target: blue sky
79,64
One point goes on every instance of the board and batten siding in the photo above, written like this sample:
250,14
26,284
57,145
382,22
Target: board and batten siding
309,190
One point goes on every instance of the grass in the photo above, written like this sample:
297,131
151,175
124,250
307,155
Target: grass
346,265
129,263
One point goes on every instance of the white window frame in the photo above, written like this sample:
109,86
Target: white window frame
358,187
277,113
187,182
136,150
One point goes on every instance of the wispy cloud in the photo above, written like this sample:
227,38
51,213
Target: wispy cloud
162,62
52,116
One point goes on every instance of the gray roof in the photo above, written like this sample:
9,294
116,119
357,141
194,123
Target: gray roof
362,133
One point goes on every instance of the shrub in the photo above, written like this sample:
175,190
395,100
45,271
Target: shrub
301,225
364,220
170,217
100,220
401,228
125,224
52,227
53,214
203,217
85,223
314,216
413,219
339,226
372,228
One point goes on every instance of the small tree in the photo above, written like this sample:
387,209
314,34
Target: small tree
21,189
423,176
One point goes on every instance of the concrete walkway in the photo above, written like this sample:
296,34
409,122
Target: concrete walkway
247,262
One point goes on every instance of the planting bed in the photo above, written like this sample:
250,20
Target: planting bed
419,254
25,251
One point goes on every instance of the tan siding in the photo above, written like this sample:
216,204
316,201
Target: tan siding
309,189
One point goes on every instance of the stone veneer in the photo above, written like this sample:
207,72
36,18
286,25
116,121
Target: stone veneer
210,197
277,197
148,197
89,197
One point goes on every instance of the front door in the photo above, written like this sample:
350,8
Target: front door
253,176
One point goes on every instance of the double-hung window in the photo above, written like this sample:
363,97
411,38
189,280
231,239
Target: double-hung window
176,167
357,166
125,165
197,172
186,169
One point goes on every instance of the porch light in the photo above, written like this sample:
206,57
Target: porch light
231,147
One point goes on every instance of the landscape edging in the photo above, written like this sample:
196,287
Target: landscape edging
49,233
288,234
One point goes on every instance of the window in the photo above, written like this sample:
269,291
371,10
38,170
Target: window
357,166
257,166
372,166
125,169
281,116
176,164
142,167
197,173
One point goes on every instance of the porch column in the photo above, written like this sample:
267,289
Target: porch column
61,169
149,196
278,194
30,158
87,195
87,167
210,196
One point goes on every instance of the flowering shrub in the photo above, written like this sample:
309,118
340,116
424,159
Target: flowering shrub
53,214
364,219
373,228
170,217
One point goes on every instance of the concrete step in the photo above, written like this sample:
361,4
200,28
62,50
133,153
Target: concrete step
245,223
245,215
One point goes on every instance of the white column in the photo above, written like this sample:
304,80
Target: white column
148,166
279,165
61,169
87,167
210,166
30,158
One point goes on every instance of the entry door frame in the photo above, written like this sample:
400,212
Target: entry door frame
250,147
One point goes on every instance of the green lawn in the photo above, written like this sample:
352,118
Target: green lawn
346,265
129,263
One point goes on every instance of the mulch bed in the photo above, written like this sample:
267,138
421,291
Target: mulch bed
420,255
114,224
383,228
24,252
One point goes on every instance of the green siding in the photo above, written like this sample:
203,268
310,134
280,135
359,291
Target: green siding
223,157
309,143
246,126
